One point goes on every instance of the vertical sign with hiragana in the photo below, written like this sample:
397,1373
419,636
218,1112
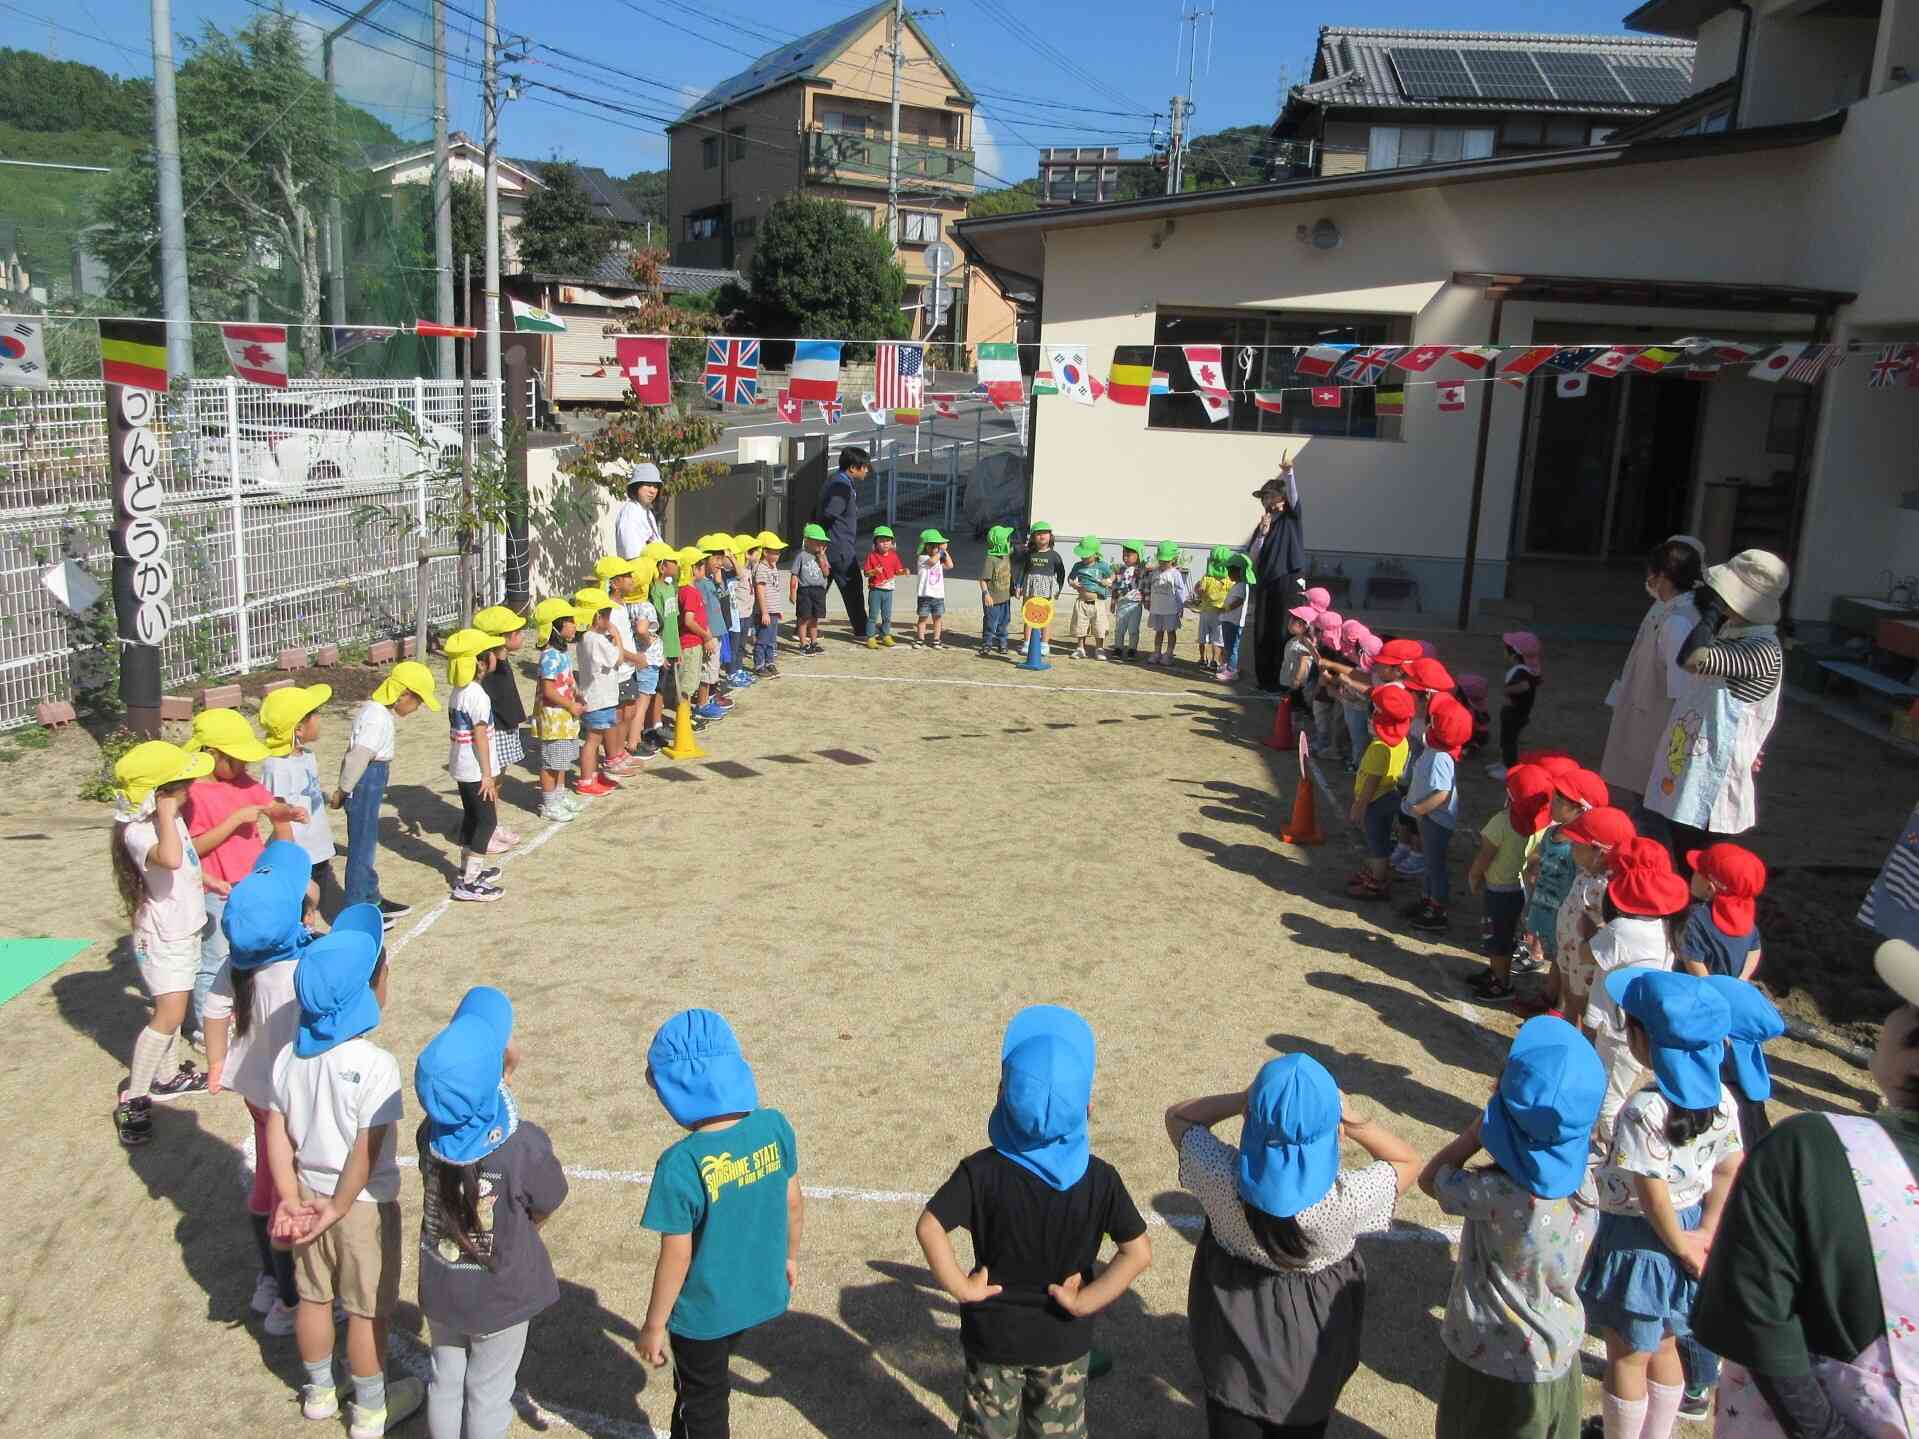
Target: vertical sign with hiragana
142,573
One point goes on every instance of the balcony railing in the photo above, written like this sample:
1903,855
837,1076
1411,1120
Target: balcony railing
857,160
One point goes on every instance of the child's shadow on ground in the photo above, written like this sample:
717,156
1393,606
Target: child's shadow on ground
1391,1087
1268,866
1805,1077
1239,804
1225,722
1446,1035
420,816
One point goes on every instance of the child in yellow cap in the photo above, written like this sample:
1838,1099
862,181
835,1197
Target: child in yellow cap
502,688
363,776
223,815
470,760
557,711
768,605
290,720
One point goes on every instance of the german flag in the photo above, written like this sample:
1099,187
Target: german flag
1130,381
134,352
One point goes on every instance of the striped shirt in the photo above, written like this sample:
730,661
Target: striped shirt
1751,665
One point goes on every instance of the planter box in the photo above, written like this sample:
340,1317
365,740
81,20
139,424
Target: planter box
327,656
176,707
218,697
293,659
54,713
273,685
383,652
409,648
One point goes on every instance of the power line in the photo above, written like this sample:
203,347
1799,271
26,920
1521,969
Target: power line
998,11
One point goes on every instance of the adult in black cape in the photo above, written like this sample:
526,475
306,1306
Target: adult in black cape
1278,550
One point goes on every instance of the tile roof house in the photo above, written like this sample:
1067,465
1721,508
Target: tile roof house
1382,98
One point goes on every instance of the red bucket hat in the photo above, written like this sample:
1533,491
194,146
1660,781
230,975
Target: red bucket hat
1528,798
1398,652
1582,787
1392,713
1604,828
1449,724
1428,676
1737,876
1644,884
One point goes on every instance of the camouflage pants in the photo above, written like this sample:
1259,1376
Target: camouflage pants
1024,1401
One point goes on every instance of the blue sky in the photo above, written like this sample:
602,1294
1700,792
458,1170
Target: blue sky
1124,53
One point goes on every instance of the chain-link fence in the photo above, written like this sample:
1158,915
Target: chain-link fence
293,517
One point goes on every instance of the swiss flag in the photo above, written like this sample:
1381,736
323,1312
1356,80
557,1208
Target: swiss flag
1421,358
643,362
1452,395
1327,397
791,410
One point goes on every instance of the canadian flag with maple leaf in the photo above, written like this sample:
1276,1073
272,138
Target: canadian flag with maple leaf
258,353
1207,366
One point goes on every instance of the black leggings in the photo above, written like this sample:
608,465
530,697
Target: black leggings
1224,1423
1512,724
477,818
702,1386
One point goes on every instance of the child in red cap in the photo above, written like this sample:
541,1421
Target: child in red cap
1432,803
1722,928
1596,837
1505,844
1521,686
1549,873
1376,789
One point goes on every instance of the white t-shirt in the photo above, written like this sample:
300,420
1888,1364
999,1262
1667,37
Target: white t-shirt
1238,600
932,579
372,729
175,908
328,1100
598,677
275,1015
467,708
623,632
1167,593
1627,940
739,589
655,647
634,528
1640,1146
295,779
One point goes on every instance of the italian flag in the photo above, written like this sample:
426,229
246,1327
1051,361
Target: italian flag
1130,380
999,373
531,319
1273,402
1043,383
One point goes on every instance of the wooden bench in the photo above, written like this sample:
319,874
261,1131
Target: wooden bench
1871,679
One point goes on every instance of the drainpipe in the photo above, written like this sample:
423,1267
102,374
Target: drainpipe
1739,67
1479,473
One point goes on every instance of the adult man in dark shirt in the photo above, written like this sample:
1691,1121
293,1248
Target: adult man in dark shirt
839,515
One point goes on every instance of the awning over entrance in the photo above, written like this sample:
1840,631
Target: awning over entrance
1669,294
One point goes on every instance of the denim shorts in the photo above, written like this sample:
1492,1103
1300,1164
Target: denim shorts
600,720
931,608
646,680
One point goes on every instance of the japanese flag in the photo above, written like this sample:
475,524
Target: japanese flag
1218,403
1571,387
1773,366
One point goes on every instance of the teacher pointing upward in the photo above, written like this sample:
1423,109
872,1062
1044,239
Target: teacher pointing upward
1278,550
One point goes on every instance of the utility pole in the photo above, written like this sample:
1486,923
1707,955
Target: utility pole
442,199
1177,137
173,219
490,311
893,136
1183,104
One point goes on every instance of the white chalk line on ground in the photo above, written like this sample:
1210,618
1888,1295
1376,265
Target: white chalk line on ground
989,684
433,915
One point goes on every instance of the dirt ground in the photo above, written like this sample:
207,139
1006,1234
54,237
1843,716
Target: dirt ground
977,839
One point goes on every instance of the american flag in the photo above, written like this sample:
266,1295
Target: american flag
1814,362
733,371
898,372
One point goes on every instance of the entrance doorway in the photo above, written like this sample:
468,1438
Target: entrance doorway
1608,474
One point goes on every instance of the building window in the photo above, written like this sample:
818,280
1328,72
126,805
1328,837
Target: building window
702,227
844,122
743,229
736,144
919,227
1391,147
1277,339
864,214
710,152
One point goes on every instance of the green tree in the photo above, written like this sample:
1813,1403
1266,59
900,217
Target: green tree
818,271
50,96
647,190
1010,201
559,233
469,224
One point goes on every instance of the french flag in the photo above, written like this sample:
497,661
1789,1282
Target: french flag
816,370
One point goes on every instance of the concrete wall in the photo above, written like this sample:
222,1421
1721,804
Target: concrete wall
1799,66
1717,55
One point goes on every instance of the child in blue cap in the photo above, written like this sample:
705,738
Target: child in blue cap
1278,1286
332,1139
1039,1205
1675,1151
489,1181
1514,1322
252,1004
726,1204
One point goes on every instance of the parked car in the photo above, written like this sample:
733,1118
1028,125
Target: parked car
323,444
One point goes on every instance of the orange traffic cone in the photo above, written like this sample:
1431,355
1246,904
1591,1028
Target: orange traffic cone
1282,735
1304,827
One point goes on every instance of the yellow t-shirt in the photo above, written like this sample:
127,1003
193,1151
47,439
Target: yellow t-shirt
1212,593
1388,762
1514,850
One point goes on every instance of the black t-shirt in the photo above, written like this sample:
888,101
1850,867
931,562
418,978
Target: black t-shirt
500,686
1521,704
1030,1235
458,1289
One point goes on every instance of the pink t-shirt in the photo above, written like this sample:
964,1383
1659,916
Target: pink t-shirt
209,802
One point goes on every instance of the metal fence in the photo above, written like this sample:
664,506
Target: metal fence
269,495
926,481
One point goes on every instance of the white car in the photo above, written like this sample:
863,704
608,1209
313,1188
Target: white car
324,444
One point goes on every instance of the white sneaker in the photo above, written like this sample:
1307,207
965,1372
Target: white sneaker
1400,851
279,1322
558,813
572,801
1497,771
1412,867
403,1399
266,1293
319,1401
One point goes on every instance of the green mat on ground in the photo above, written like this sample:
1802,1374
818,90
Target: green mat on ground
25,961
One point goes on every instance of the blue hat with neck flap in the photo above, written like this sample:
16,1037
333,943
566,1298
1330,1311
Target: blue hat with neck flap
460,1079
332,984
696,1067
262,918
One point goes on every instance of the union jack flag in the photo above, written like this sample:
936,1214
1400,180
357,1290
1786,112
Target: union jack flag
832,411
733,371
1892,366
1366,365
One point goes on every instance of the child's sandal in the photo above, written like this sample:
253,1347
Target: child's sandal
1367,887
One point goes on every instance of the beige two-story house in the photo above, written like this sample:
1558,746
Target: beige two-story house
815,116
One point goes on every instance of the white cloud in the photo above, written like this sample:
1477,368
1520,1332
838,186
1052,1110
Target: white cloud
989,156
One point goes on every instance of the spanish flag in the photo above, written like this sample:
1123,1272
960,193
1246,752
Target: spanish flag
134,352
1130,381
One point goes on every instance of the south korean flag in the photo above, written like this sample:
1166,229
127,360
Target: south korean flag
23,353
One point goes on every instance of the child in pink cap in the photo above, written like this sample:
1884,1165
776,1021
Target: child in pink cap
1297,664
1326,631
1521,687
1472,693
1321,600
1360,645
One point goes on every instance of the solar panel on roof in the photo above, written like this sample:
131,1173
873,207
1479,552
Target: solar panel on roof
1581,78
1653,84
1506,75
1432,74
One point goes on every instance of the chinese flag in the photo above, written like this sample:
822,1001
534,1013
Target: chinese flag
643,361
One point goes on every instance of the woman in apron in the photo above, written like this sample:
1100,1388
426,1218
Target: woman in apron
1642,696
1703,776
1811,1292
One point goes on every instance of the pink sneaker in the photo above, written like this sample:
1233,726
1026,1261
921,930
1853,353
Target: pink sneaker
502,841
1226,677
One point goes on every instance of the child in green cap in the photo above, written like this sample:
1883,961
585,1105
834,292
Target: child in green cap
1167,591
1042,573
1129,600
1238,603
935,561
808,583
882,568
1209,598
996,591
1089,580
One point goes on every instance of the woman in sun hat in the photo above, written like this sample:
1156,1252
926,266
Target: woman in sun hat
1815,1252
1277,549
1278,1288
1674,1154
1642,696
1514,1323
1702,778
